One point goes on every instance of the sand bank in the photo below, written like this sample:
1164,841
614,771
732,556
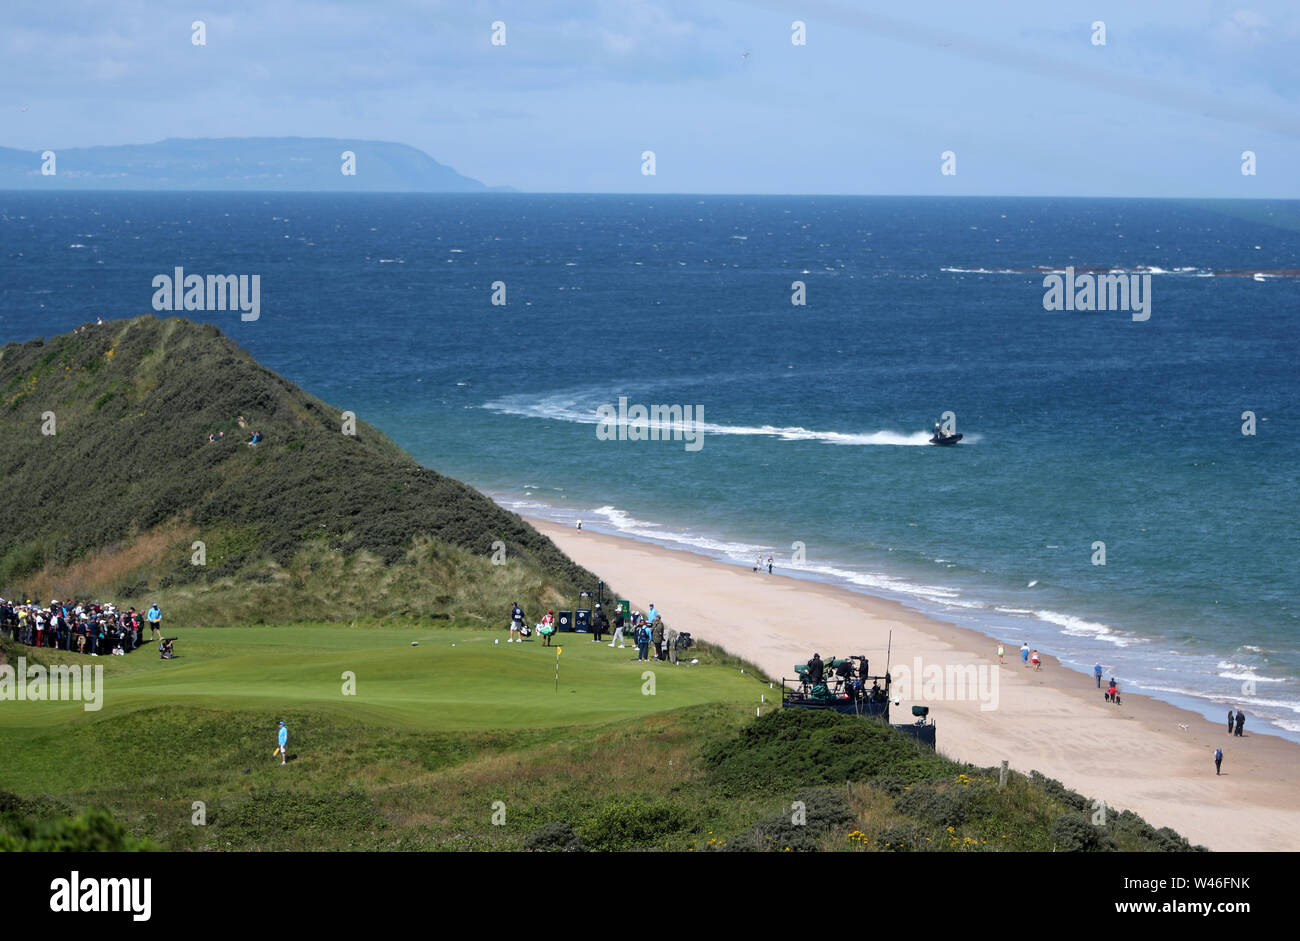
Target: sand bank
1135,756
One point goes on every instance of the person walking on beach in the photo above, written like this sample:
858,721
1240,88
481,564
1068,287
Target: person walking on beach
1241,721
1232,717
758,563
1001,652
1096,671
283,740
1034,658
1218,759
1024,654
769,565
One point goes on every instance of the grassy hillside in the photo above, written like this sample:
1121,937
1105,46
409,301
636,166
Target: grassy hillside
436,735
332,553
311,523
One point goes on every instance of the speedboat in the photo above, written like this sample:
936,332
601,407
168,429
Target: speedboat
942,439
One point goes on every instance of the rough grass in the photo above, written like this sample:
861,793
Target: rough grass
129,480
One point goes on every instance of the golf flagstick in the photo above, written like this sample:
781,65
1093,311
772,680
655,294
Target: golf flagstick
558,651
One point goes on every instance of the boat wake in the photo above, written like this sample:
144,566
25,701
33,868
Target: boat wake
572,408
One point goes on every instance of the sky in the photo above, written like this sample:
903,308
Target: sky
1018,92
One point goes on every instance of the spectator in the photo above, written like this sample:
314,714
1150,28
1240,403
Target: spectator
75,627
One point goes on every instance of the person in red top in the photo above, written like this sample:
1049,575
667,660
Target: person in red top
1112,693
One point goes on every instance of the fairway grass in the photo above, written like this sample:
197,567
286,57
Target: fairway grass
434,735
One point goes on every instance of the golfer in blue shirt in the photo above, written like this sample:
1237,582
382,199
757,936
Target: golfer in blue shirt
284,743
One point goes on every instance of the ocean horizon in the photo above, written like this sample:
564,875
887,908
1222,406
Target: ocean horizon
1081,427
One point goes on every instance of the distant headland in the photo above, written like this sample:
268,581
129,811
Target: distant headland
296,164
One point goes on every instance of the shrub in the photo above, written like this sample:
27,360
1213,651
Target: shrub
890,784
1058,791
900,838
1075,833
824,809
789,748
947,808
42,826
622,825
555,837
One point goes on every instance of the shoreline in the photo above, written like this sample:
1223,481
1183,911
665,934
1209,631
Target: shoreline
1079,640
1146,755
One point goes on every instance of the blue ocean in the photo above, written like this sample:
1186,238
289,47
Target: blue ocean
1079,427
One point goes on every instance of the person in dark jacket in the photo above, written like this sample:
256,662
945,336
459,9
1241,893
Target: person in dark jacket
815,669
599,625
1241,721
618,628
657,637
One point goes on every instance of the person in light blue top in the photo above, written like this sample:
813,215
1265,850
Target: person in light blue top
651,613
154,617
284,743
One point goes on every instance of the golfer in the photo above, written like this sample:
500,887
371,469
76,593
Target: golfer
283,739
154,617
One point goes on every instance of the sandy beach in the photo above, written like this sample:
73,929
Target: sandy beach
1134,756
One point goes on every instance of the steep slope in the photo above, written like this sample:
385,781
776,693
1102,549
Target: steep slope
128,468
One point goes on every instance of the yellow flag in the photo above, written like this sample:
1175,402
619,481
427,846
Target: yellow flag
558,651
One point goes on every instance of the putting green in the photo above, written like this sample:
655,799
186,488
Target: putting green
454,680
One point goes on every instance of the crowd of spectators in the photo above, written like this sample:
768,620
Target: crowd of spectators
79,627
